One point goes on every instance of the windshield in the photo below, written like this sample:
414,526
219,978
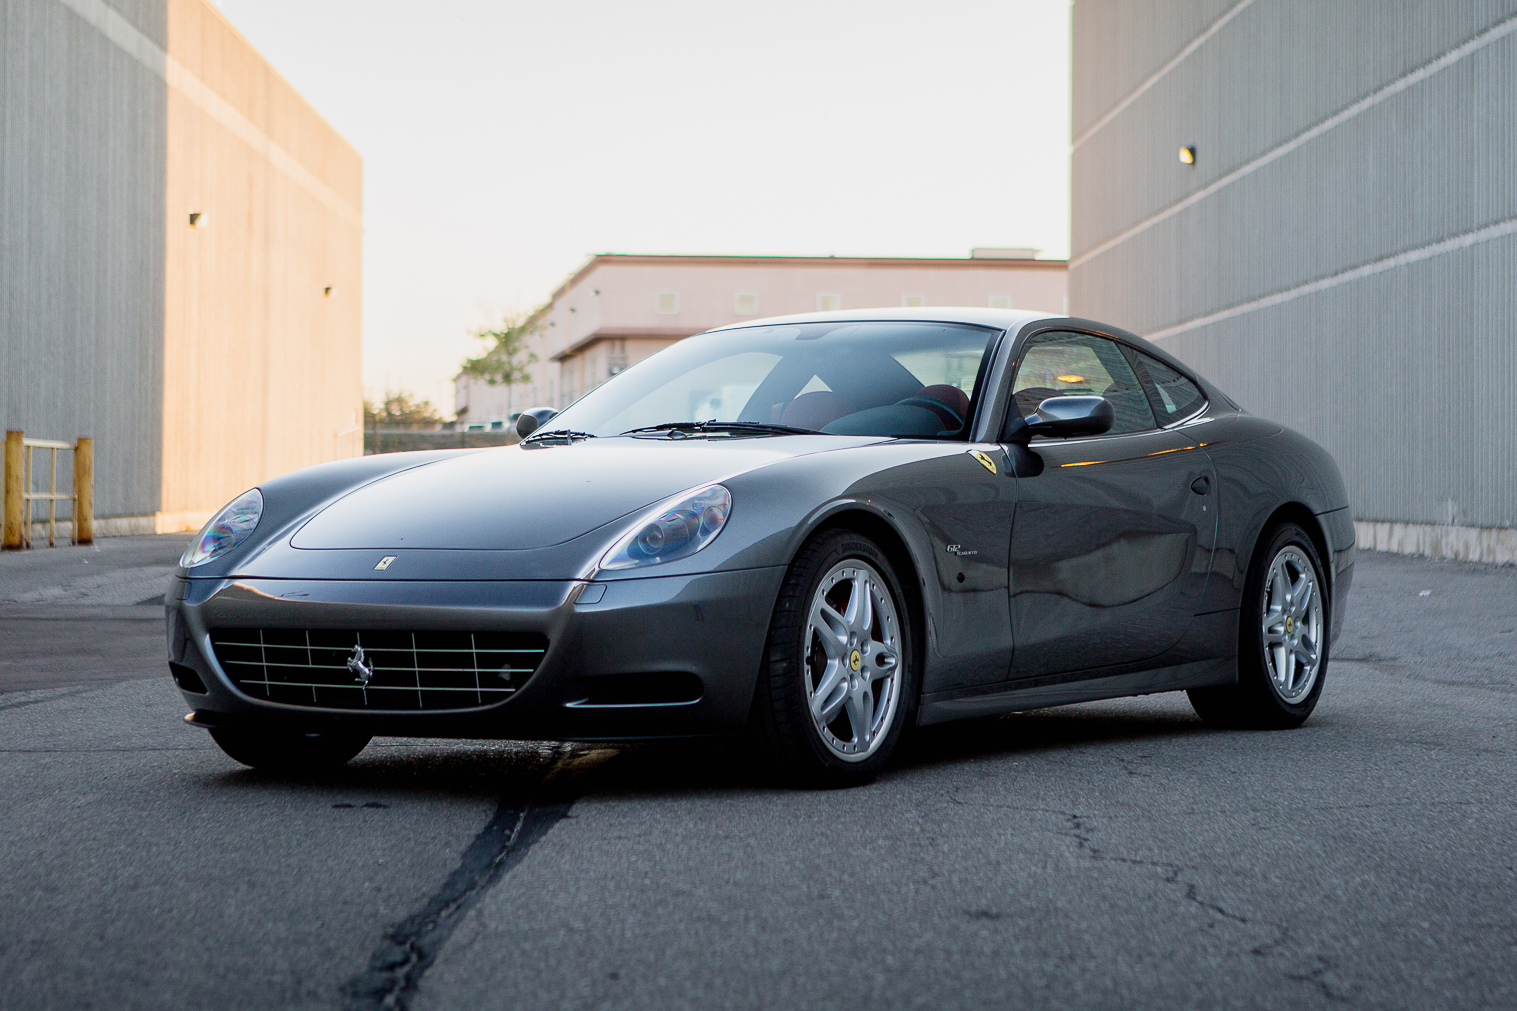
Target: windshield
909,380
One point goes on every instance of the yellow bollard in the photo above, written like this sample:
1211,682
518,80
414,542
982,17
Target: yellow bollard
84,491
11,538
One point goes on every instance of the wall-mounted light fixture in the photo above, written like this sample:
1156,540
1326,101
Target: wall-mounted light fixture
1188,155
198,219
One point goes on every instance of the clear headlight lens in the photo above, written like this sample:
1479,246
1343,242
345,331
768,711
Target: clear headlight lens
227,529
679,528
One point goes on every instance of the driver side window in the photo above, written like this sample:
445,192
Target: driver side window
1066,364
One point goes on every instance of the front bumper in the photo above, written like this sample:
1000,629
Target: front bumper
712,626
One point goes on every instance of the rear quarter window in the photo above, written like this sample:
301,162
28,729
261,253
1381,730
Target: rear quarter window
1174,396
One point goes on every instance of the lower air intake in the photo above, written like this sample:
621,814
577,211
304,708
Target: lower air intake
392,671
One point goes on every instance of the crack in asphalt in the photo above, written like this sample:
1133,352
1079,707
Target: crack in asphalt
410,947
1081,833
1315,979
81,690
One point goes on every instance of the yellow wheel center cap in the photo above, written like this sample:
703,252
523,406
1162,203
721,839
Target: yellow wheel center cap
1290,624
855,660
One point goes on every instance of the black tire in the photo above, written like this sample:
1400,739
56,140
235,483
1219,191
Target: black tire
1253,703
781,721
289,753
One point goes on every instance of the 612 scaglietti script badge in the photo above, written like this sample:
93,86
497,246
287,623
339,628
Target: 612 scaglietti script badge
362,667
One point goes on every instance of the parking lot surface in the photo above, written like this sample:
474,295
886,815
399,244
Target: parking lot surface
1108,855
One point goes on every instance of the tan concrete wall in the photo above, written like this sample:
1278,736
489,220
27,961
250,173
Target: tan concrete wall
261,368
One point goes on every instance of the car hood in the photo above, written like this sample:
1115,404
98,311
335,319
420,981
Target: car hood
518,498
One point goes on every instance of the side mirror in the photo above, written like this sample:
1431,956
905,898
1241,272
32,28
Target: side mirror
531,421
1064,418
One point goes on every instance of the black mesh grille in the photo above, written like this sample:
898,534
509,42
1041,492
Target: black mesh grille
344,669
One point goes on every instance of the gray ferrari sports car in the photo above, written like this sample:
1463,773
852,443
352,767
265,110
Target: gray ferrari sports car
819,531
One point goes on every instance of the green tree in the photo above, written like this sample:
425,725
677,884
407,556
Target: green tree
399,410
506,359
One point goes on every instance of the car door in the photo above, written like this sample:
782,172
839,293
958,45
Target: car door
1111,535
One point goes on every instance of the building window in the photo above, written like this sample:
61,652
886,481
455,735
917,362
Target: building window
1000,301
745,303
913,301
666,303
829,302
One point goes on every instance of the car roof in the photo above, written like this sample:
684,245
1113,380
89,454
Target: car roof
1001,319
1011,320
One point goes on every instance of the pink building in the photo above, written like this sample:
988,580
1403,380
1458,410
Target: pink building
618,309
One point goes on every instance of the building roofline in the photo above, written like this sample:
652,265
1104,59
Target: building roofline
824,261
684,259
220,15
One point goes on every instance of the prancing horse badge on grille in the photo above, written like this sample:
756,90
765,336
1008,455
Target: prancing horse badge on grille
362,668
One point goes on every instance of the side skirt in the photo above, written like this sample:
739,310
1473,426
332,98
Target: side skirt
1200,674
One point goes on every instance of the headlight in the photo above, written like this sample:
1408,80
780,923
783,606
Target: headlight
679,528
227,529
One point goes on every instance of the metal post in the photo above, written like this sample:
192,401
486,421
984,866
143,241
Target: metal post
27,511
10,531
84,491
52,497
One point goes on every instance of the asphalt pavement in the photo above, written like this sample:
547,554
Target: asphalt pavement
1108,855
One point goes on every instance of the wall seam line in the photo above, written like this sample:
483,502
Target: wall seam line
1464,240
1470,46
1156,76
125,36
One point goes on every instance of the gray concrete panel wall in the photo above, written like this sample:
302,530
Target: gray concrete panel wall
82,167
1343,255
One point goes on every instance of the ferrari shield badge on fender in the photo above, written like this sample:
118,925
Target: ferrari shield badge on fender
984,459
384,563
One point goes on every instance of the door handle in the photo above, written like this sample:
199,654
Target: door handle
1201,485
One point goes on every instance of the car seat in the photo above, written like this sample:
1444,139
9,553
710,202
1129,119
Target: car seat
816,409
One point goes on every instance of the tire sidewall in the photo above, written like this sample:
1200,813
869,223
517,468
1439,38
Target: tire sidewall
1253,673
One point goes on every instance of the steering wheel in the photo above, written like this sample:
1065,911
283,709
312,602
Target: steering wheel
951,419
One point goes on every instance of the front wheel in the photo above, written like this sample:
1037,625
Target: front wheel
289,752
1282,640
839,683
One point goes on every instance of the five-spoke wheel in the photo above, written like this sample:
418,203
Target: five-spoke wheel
838,684
1292,624
853,660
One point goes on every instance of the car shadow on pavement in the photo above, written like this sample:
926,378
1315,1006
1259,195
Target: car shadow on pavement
473,770
670,767
1040,731
463,770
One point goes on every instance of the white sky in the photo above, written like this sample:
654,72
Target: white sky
503,142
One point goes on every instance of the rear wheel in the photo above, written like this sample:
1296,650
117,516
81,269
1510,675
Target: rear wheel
838,685
289,752
1282,640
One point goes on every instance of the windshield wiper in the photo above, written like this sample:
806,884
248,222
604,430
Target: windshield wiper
712,425
566,434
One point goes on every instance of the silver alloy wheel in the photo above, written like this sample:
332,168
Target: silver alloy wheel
1292,624
853,660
